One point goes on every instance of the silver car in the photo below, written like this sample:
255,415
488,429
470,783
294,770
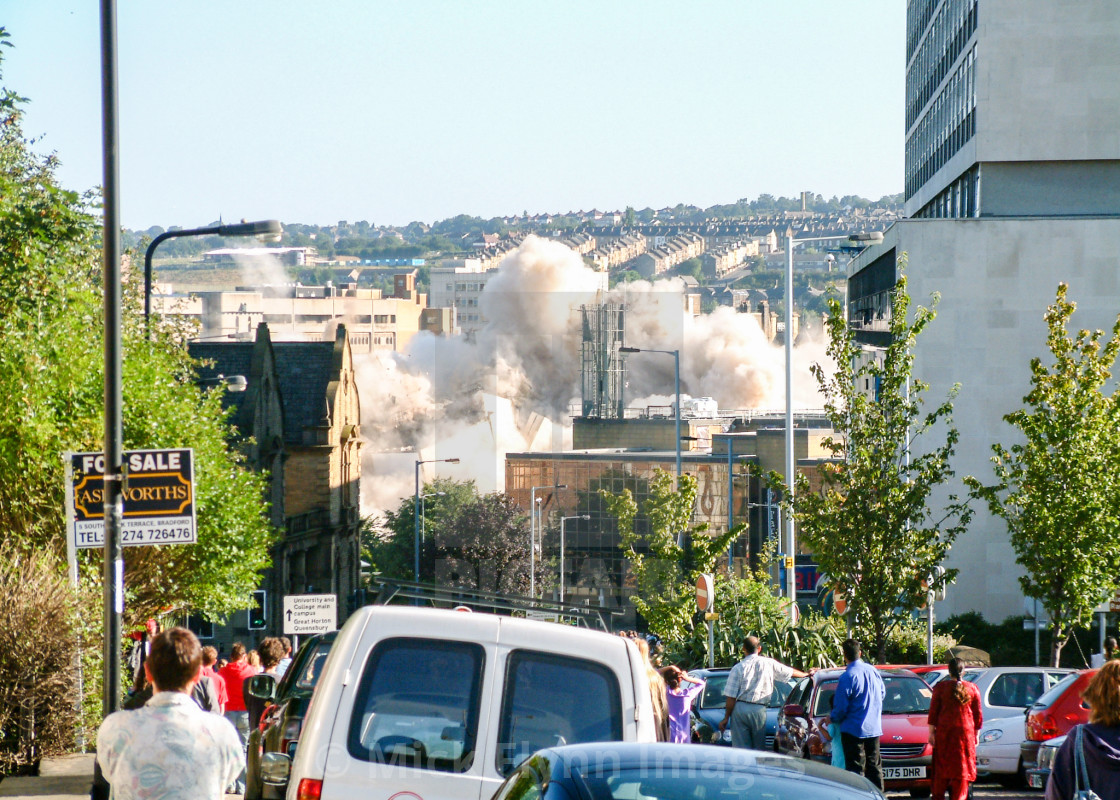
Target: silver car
1009,691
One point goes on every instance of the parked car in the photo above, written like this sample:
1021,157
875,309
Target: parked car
670,772
1055,713
282,720
430,703
930,673
708,708
1040,772
1008,691
904,745
997,750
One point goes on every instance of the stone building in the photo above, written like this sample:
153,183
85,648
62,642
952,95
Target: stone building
299,419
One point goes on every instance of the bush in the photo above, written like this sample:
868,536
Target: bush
39,639
907,644
1009,644
748,606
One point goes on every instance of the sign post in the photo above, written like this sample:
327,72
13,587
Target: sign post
310,613
158,499
705,601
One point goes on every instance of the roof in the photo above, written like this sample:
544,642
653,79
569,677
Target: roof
229,359
303,369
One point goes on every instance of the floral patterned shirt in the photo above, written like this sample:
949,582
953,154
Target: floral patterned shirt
168,749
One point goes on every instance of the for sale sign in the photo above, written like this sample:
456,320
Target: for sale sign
158,498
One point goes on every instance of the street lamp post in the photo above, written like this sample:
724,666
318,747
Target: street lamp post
266,229
423,511
534,527
861,240
676,354
563,520
416,512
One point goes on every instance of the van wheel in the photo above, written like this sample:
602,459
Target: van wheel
920,792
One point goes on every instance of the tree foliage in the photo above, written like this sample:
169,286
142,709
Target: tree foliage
471,540
51,368
664,570
1058,488
869,524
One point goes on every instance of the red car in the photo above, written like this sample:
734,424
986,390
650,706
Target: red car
1055,713
904,745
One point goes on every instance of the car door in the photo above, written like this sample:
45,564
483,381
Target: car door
786,737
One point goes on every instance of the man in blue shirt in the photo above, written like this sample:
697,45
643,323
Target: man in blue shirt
858,708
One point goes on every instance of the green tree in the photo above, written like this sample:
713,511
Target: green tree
51,366
663,568
471,540
1058,488
869,525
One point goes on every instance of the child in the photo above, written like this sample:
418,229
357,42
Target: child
830,732
680,702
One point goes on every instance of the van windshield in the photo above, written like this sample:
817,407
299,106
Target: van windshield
417,704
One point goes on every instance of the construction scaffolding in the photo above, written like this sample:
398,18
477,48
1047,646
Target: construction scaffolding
604,367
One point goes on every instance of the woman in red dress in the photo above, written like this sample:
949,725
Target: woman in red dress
954,719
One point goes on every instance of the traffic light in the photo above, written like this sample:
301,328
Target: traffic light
257,615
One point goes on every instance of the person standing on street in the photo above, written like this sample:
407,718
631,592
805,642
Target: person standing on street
286,661
858,708
271,651
1097,659
234,674
170,747
955,718
749,686
679,699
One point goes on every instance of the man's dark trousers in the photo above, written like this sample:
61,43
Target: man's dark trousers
861,756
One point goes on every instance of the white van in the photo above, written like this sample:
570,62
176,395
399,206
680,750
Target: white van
441,705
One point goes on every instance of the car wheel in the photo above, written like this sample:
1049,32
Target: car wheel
925,792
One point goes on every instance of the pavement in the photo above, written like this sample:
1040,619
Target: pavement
62,778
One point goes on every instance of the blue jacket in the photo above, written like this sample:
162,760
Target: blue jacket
858,703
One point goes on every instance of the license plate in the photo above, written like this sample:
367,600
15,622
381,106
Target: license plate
1034,781
903,773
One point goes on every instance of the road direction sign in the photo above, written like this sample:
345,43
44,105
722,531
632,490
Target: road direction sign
158,498
310,613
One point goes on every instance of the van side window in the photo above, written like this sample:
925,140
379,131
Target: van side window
550,700
417,705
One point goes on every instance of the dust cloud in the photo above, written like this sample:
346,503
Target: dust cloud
516,384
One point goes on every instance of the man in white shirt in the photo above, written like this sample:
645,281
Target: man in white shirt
748,689
170,747
1097,659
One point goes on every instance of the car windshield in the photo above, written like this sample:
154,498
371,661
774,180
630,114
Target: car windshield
706,781
712,697
1054,692
906,695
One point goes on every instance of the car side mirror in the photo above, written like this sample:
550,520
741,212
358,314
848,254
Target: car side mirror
262,687
793,710
276,768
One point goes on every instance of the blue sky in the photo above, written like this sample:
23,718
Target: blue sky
315,112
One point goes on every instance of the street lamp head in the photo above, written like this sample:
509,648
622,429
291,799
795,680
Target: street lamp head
629,349
267,229
560,486
233,383
452,460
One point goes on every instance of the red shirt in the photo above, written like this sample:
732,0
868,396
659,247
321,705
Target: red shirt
220,683
234,674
